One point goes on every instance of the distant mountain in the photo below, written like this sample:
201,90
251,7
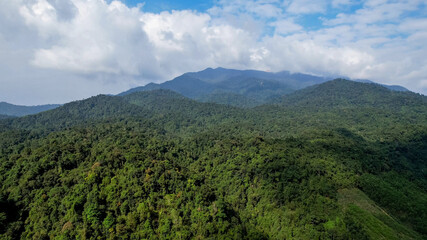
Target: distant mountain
187,86
222,85
345,93
241,88
396,88
293,80
391,87
19,111
4,116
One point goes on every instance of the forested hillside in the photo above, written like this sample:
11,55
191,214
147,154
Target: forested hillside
344,93
339,160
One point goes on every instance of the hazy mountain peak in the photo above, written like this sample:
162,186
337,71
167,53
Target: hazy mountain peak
254,86
18,110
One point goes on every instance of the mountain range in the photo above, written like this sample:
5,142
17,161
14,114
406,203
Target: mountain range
241,88
283,156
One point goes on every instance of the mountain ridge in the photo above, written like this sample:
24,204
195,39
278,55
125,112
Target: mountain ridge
20,110
255,87
341,92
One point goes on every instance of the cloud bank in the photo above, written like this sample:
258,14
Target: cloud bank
62,50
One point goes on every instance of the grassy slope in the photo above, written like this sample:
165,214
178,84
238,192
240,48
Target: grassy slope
374,220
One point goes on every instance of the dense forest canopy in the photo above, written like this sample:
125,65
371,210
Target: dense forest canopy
339,160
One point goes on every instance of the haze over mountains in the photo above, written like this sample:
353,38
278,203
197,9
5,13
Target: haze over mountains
18,111
327,96
241,88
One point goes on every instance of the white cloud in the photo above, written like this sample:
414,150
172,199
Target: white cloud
259,8
376,12
101,37
52,50
306,6
413,24
306,55
286,26
342,3
190,40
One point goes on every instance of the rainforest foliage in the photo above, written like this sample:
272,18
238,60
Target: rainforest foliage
322,163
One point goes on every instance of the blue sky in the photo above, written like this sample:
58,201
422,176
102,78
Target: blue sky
55,51
159,6
309,20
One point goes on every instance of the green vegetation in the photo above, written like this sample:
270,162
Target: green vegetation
157,165
231,99
375,221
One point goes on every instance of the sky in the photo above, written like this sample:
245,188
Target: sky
57,51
